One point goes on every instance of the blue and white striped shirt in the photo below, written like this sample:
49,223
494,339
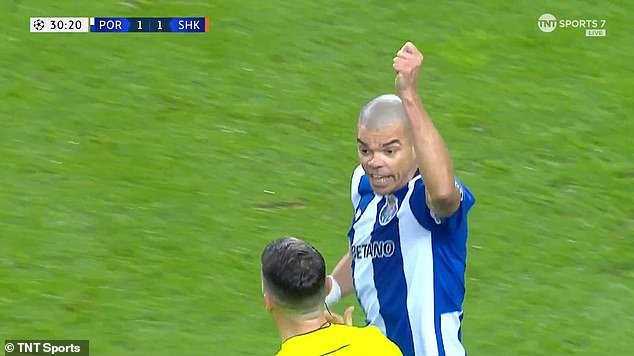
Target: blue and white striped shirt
408,266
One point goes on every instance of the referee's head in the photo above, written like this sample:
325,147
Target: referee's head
294,279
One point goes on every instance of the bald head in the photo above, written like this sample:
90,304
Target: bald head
383,111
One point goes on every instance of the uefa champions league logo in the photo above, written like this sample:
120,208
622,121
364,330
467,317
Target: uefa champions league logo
38,25
389,210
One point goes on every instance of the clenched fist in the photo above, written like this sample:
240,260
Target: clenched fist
407,64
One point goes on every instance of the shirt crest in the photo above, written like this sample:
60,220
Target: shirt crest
389,210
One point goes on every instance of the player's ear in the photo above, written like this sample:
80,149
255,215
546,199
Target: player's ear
268,303
328,285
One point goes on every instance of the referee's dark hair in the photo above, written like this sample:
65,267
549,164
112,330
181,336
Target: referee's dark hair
294,275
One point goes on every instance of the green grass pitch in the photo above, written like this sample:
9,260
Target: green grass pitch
142,174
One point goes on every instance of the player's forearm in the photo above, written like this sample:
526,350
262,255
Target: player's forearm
433,158
343,274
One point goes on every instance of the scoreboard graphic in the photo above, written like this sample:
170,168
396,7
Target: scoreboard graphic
120,24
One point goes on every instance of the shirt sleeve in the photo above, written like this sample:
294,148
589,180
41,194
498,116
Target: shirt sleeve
426,217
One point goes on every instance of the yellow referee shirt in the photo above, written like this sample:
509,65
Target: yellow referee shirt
340,340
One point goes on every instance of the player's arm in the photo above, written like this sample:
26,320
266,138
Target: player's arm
341,279
434,161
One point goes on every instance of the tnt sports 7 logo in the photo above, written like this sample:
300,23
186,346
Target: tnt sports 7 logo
593,27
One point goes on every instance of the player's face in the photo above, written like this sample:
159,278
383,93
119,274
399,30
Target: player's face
387,157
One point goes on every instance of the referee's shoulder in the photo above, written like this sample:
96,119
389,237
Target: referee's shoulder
372,331
376,342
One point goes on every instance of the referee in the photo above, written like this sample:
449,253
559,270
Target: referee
294,285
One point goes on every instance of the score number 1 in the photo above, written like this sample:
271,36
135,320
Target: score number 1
149,24
159,22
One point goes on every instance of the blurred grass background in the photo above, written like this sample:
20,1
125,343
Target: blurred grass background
137,169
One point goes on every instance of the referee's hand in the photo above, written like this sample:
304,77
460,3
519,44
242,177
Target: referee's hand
338,319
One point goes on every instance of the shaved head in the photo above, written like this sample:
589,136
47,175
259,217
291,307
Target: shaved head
383,111
385,145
